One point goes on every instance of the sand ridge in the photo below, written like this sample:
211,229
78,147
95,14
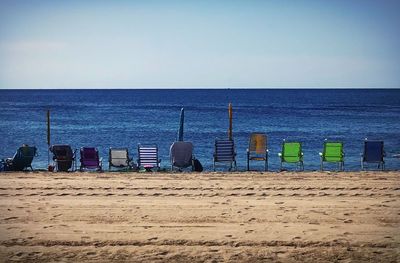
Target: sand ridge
253,216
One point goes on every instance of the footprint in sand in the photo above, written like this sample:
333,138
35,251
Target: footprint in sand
249,231
279,203
152,238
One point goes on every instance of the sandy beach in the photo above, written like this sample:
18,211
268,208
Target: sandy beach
211,217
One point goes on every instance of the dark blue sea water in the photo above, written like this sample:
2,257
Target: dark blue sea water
106,118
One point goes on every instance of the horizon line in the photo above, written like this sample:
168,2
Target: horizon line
191,88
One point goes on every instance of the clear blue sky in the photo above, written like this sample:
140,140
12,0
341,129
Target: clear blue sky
278,43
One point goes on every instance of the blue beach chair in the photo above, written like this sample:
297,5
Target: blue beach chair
224,152
373,153
22,159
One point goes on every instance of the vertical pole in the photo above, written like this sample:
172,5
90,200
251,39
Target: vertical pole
230,121
48,137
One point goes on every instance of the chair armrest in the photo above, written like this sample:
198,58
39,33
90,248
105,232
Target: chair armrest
320,154
247,150
280,154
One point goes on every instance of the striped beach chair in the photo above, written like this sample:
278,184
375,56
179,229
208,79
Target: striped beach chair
224,152
148,157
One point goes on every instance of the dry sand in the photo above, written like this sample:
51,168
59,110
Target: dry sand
211,217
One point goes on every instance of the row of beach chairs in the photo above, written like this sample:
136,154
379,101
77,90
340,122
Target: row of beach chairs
181,156
333,152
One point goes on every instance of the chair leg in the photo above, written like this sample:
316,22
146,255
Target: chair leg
322,166
248,163
281,167
266,164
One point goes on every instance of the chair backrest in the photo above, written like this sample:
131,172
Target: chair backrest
119,157
333,151
64,156
23,157
373,151
224,150
90,157
148,155
181,154
291,151
258,143
62,152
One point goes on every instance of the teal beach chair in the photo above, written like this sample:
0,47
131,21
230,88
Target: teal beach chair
22,159
332,153
291,153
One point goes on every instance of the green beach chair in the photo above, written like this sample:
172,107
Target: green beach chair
291,153
332,153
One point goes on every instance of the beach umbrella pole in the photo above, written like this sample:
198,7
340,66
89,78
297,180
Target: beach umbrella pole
230,121
181,121
48,138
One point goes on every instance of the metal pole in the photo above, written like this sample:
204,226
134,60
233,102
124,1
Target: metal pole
48,138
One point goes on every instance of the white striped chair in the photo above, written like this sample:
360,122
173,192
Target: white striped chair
148,156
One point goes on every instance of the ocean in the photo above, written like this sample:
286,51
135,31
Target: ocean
124,118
